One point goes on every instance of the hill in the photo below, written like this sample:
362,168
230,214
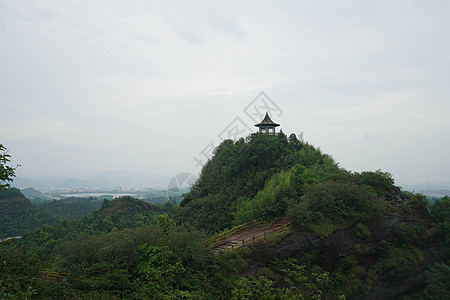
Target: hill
18,214
265,176
368,237
34,195
12,201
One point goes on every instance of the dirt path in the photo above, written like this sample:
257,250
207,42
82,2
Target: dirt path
234,240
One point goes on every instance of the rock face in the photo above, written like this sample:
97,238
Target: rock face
391,283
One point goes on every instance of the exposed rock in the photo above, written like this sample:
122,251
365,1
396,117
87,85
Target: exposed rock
392,283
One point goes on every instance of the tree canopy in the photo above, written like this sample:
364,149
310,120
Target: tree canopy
262,176
7,172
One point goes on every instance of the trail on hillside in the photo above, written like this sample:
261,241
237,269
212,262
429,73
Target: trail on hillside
236,239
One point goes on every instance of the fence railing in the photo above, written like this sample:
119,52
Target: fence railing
254,238
55,276
231,231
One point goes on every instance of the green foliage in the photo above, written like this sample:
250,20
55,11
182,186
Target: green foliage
382,182
250,288
114,216
160,271
269,203
297,278
166,224
411,235
8,194
18,273
418,201
165,261
393,258
440,210
439,288
130,249
276,238
71,208
362,231
332,205
7,172
18,214
104,262
252,177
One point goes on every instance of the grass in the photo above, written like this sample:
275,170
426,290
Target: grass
325,228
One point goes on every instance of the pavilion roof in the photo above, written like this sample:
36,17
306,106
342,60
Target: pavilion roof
267,122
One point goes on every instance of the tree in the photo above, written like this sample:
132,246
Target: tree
6,172
440,210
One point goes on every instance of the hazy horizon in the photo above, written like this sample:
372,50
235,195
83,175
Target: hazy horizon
145,86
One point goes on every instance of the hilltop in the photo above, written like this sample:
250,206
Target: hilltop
31,193
266,176
127,206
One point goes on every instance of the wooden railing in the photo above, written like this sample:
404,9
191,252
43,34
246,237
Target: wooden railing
253,239
55,276
231,231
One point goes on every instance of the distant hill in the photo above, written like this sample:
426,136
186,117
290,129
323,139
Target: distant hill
12,201
31,193
83,183
126,206
431,187
18,214
103,180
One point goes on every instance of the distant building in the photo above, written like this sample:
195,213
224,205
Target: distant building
267,126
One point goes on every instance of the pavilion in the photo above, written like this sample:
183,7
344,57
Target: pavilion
267,126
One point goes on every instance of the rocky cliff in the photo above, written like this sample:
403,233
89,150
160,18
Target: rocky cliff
392,252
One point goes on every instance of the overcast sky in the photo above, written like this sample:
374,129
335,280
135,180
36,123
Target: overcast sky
146,86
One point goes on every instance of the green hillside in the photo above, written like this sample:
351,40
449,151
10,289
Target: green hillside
12,201
269,176
18,214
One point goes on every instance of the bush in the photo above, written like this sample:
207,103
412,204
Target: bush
332,205
382,182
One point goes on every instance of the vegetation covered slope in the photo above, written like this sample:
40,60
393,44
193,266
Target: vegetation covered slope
271,176
18,214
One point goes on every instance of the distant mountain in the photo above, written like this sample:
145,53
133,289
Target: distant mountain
431,189
22,183
84,183
430,186
31,193
131,179
103,180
